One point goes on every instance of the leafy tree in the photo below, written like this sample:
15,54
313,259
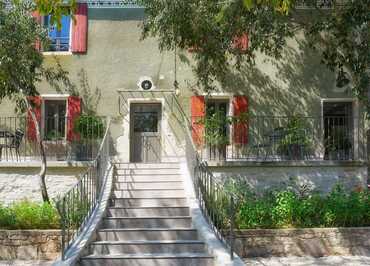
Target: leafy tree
21,65
210,28
342,36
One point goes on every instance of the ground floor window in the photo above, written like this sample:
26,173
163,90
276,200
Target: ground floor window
338,130
55,119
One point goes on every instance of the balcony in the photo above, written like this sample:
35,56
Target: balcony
260,138
63,140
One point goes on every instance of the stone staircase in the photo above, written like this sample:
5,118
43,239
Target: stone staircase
148,222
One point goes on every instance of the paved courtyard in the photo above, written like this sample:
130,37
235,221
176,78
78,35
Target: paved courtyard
310,261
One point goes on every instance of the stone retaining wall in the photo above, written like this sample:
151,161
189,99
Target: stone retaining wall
30,244
315,242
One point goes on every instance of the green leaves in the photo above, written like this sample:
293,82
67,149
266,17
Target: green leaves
249,4
210,27
288,209
57,9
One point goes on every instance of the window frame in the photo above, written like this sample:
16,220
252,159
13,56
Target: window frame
355,118
69,52
52,97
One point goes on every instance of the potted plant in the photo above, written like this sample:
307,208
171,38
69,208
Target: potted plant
91,129
294,143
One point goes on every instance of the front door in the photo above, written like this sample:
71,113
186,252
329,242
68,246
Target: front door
145,132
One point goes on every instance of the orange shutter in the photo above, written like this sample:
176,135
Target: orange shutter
35,102
240,106
241,43
79,31
73,112
198,112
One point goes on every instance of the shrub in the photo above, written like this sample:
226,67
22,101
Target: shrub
29,215
288,209
90,127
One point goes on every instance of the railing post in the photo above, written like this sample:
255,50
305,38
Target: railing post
232,224
63,226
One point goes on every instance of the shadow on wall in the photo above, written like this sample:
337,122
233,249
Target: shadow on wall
295,83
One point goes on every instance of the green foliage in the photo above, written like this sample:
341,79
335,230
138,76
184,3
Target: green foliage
344,47
29,215
90,127
57,9
290,209
295,137
216,125
211,28
21,65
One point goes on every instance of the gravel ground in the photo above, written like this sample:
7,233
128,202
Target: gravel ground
309,261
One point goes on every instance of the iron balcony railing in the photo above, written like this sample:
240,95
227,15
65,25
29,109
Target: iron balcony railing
319,4
262,138
58,44
78,204
63,139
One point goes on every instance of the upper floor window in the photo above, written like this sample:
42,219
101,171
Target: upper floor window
59,38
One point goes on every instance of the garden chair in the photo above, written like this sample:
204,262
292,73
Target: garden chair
268,147
14,144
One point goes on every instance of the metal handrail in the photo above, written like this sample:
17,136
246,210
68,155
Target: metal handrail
217,204
78,204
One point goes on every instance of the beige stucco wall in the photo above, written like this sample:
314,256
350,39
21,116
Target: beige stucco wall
116,59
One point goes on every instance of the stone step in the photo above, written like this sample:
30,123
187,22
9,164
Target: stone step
147,165
147,222
148,193
154,202
147,234
148,178
147,211
179,259
149,185
148,171
145,246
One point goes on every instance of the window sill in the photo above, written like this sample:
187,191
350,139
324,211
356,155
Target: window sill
57,53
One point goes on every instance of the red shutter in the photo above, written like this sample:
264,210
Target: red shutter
37,17
240,105
197,115
73,112
241,43
35,102
79,30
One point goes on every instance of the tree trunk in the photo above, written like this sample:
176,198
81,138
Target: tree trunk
42,174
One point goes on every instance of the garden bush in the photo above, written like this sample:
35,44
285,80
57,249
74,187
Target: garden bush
29,215
287,208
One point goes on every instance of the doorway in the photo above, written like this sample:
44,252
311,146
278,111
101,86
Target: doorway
145,133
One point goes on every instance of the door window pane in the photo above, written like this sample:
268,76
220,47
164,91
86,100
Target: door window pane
146,122
55,119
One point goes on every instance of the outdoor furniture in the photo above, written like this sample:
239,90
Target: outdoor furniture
271,140
12,142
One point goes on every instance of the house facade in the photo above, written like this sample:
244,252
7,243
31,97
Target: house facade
275,123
